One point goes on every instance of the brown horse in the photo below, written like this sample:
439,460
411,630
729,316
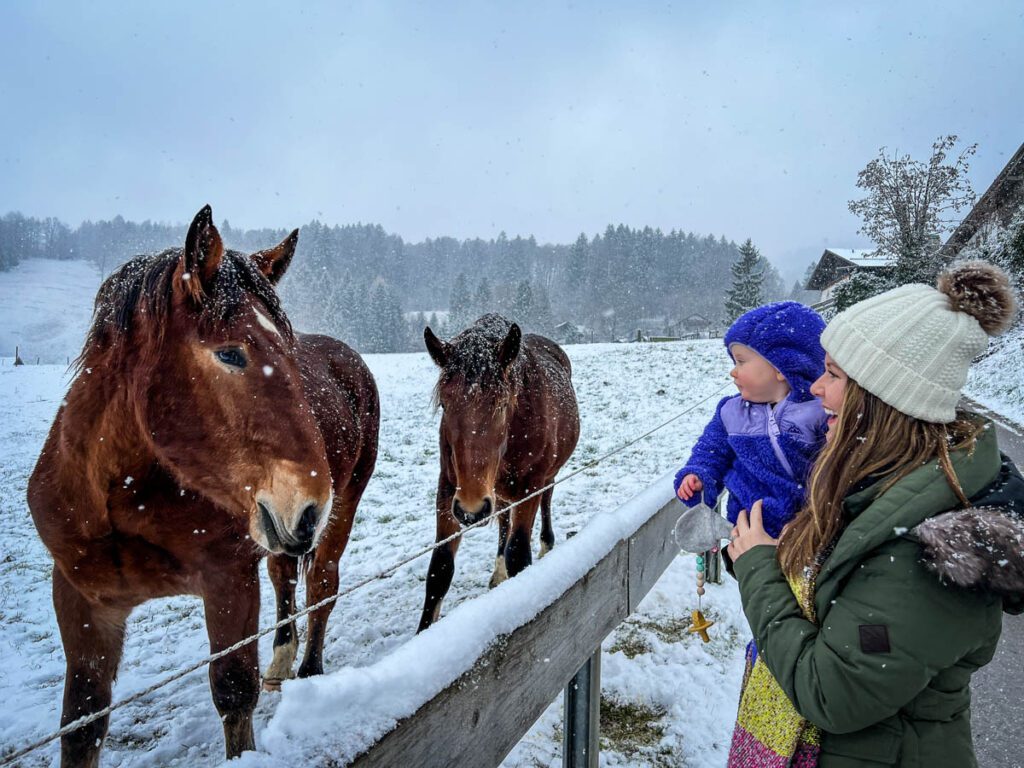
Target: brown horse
199,434
509,423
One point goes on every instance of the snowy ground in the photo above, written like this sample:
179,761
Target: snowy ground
676,695
997,380
622,389
45,306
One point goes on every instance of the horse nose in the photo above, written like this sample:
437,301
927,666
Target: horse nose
466,517
293,540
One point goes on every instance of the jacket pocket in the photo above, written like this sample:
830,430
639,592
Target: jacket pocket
876,745
938,706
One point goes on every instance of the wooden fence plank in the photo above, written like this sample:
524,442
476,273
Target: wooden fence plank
651,549
476,721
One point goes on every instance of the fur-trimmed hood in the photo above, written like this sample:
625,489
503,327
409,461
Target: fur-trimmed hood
981,547
977,548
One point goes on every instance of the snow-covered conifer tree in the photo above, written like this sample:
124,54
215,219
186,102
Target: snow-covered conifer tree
747,274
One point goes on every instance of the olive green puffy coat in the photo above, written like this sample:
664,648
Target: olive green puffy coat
909,605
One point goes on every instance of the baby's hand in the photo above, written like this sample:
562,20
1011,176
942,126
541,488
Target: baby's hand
691,484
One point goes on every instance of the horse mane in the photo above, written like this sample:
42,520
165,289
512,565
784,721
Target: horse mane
473,359
139,296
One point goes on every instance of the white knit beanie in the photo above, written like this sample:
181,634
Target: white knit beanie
911,346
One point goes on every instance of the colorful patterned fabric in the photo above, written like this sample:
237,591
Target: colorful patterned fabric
769,732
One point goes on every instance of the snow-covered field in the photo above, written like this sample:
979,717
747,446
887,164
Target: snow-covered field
45,306
687,691
676,695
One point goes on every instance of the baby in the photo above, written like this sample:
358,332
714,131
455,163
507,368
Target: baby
762,442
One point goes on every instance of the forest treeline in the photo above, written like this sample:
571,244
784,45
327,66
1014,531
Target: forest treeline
371,288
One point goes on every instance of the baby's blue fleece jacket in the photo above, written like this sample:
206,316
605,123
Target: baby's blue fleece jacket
757,450
737,451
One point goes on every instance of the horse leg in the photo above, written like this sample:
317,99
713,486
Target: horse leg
442,560
93,637
500,573
517,550
547,533
322,579
232,606
283,570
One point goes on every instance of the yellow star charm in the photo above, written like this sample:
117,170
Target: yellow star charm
700,626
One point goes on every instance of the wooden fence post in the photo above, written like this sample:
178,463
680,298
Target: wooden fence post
582,719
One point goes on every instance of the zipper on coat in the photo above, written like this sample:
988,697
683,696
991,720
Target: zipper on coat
773,436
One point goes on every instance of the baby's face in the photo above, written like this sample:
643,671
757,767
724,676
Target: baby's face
756,378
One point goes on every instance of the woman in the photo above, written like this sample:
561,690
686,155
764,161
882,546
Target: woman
886,592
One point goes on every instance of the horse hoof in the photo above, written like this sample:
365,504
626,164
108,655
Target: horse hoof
272,684
500,572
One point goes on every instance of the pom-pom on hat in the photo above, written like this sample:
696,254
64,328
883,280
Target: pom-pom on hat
786,334
911,346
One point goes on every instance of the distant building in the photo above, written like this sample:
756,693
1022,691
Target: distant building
993,211
570,333
836,266
695,323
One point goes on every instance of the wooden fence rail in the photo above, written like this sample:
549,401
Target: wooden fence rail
477,720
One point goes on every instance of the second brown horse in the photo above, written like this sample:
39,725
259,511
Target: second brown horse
509,423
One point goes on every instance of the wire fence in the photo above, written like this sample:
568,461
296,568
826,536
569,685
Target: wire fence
87,719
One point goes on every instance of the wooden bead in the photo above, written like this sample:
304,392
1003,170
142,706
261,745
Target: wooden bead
700,590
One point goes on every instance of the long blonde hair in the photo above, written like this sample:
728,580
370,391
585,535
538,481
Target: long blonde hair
870,439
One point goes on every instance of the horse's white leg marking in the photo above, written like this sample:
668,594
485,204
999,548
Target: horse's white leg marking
500,572
281,665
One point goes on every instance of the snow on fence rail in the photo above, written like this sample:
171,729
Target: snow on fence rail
17,754
465,691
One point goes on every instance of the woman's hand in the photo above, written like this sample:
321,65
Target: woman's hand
749,532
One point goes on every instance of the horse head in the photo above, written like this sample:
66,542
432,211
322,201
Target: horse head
208,353
476,391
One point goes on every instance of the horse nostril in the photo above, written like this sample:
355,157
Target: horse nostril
471,518
269,530
307,523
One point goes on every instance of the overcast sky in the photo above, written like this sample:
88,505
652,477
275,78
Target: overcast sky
745,119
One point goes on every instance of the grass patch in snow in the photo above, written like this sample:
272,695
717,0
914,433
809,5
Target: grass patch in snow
633,636
633,728
671,630
630,642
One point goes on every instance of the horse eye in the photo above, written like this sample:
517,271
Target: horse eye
232,356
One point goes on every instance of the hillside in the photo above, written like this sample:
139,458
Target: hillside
45,307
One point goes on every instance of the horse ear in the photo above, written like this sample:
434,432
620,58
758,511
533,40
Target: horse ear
438,349
201,258
510,346
274,262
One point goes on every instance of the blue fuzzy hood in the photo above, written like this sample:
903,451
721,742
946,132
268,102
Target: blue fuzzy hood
788,335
